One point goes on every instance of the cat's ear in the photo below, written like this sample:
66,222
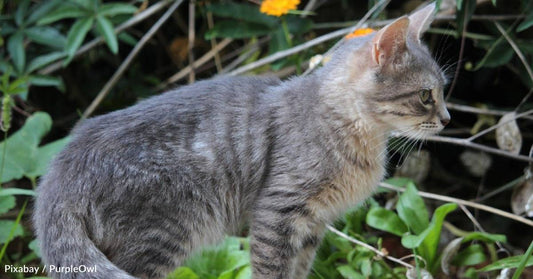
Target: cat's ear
389,43
420,21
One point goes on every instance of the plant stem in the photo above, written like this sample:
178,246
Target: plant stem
286,31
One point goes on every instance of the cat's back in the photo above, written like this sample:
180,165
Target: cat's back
145,141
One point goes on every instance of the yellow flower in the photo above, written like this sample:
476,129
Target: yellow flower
278,7
359,32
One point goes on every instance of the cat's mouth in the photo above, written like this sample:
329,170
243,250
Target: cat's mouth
419,131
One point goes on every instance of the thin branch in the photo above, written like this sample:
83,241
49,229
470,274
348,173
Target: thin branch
211,24
120,71
192,37
463,202
369,247
477,135
202,60
469,109
97,41
460,58
516,49
464,142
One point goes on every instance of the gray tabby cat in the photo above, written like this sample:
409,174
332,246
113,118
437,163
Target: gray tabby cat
137,190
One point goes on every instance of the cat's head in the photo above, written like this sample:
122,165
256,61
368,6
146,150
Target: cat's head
394,80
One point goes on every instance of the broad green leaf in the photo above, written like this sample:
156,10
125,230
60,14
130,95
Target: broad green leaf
183,273
41,9
485,237
349,272
20,13
41,80
244,273
45,154
113,9
400,182
16,191
465,10
5,229
511,262
76,34
34,246
127,38
528,22
431,242
105,27
243,12
23,156
46,35
15,47
236,30
386,220
412,210
6,203
494,2
43,60
471,255
65,11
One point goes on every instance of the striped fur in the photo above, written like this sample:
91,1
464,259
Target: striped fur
136,191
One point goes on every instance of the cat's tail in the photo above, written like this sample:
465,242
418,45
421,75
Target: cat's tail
66,249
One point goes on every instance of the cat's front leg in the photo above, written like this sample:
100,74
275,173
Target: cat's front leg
284,236
306,255
273,256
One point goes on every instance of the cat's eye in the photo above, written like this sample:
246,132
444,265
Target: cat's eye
425,96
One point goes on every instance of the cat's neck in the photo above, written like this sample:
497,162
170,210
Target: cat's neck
344,110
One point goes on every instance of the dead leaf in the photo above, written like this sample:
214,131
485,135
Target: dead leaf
508,136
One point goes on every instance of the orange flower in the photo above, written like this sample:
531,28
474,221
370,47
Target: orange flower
278,7
359,32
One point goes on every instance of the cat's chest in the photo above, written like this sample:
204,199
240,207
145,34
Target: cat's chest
356,179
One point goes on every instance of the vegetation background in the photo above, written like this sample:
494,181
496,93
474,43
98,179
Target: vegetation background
456,206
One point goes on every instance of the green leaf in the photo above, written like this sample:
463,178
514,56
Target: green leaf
76,34
431,242
465,10
244,12
5,229
16,191
20,13
511,262
485,237
46,35
412,210
23,156
113,9
400,182
34,246
66,10
15,47
471,255
6,203
494,3
236,30
349,272
43,60
386,220
105,27
41,80
183,273
523,261
41,9
45,154
528,22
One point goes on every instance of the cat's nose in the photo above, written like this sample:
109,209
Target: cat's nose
445,121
